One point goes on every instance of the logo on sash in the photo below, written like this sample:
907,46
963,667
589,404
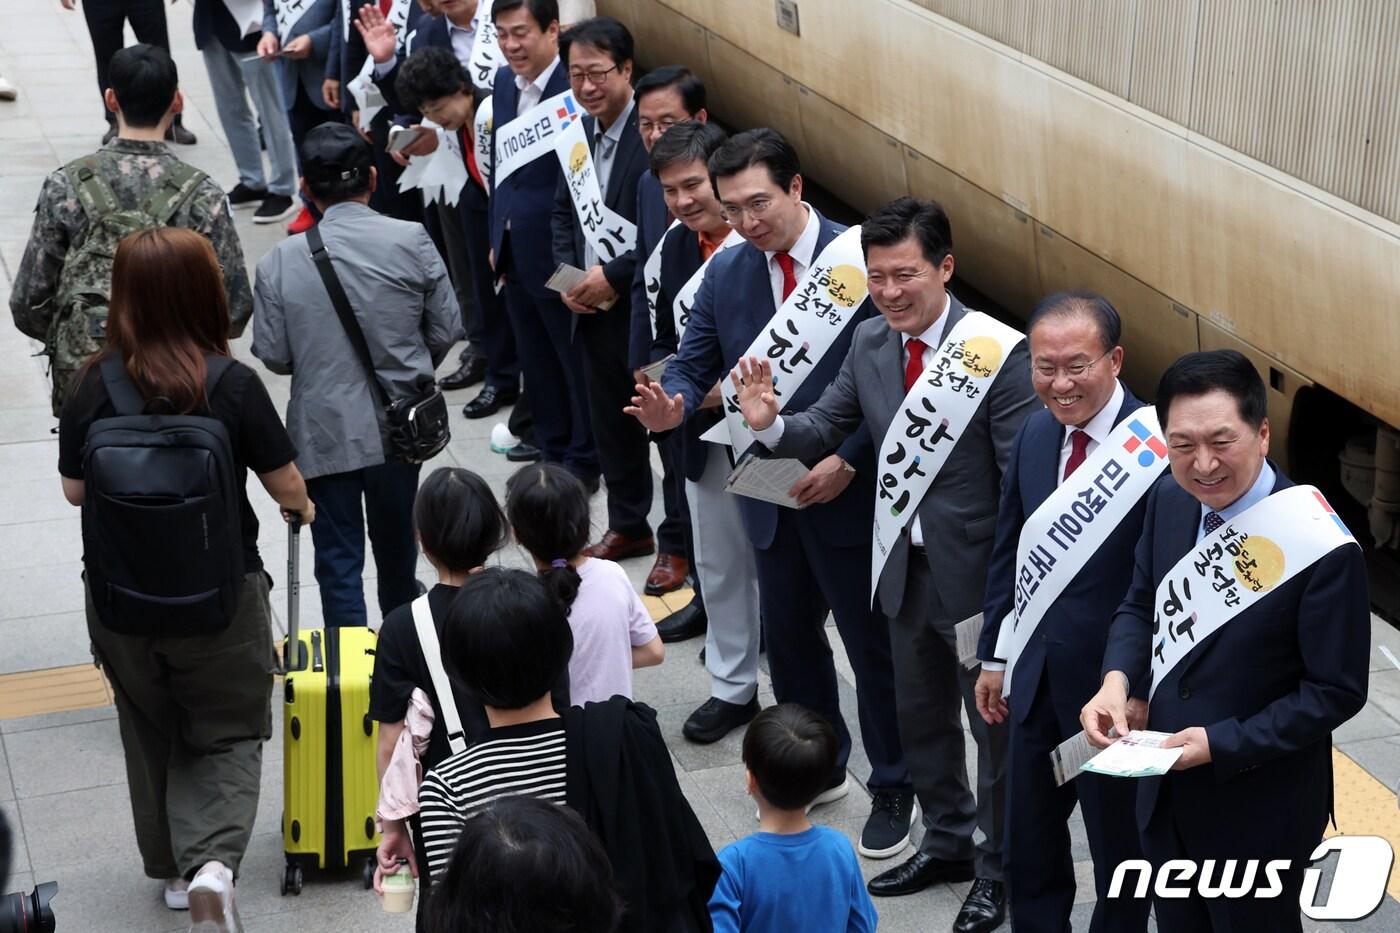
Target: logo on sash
932,418
798,336
1237,565
1074,521
532,134
609,233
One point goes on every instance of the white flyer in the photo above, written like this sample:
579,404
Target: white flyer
566,277
766,479
1069,757
1137,754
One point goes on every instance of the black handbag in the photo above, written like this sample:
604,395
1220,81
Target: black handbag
418,426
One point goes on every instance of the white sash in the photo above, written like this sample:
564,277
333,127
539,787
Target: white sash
441,173
432,654
685,298
481,139
608,232
1237,565
797,337
651,275
289,13
531,134
1074,521
486,55
247,15
932,418
368,98
345,16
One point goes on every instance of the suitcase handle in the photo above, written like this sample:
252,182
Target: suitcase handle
293,643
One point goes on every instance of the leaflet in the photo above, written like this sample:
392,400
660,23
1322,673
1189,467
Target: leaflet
654,371
1069,757
766,479
566,277
968,632
1137,754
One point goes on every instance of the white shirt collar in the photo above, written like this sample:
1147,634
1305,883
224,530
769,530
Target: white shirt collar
805,248
933,335
521,82
469,30
1101,425
614,132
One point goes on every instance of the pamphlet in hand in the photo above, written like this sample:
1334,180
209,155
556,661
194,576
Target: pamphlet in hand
767,479
567,277
1137,754
654,371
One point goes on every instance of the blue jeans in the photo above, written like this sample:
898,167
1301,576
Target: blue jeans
380,497
229,78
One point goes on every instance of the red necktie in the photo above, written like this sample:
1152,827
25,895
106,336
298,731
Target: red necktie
1078,452
915,366
385,5
789,279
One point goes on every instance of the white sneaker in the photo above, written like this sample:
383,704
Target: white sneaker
501,438
830,795
177,894
7,90
211,901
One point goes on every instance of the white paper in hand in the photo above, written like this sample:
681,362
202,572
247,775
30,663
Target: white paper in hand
766,479
968,632
1070,756
1137,754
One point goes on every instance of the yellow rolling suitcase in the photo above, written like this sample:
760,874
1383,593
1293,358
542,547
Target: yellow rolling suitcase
330,786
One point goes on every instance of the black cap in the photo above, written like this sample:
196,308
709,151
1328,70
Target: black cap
334,154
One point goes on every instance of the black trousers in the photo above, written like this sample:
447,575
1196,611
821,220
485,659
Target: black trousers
623,451
493,337
106,21
673,535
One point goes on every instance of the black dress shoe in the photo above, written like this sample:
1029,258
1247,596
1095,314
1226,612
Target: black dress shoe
984,909
716,718
471,371
523,453
917,873
489,401
686,622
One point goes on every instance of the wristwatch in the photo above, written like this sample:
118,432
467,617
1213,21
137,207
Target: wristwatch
846,466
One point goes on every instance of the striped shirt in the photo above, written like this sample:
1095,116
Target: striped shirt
525,760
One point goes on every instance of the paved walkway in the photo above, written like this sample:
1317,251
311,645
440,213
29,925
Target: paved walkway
62,783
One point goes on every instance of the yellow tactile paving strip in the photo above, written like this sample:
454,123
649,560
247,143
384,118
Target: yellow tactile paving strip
1365,807
662,606
54,690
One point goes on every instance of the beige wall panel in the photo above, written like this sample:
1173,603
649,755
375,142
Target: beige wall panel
859,164
1164,57
1380,188
1006,21
746,93
1155,331
1090,39
1234,71
1280,400
662,36
993,243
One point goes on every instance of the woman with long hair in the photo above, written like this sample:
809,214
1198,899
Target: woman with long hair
193,710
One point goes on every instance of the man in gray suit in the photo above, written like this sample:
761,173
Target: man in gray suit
935,574
403,301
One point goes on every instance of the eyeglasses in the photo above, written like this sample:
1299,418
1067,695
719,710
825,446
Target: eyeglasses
734,215
1073,370
596,77
646,126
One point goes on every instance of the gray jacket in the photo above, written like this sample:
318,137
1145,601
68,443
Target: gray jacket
959,511
399,290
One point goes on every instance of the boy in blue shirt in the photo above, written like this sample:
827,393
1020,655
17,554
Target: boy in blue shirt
790,875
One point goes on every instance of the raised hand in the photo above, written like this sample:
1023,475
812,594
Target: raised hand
380,36
654,409
753,380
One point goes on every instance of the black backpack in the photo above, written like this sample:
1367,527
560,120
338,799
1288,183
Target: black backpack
162,536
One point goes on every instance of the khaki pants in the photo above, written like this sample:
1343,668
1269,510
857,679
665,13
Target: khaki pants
194,713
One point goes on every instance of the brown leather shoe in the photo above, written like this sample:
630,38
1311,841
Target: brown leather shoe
616,547
667,574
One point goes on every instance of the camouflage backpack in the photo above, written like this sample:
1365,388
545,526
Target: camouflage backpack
79,328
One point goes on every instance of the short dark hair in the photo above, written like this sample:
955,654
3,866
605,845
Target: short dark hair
685,143
547,507
1080,302
762,146
457,518
336,162
522,863
506,638
144,79
544,12
685,82
601,32
430,74
791,752
1208,370
908,217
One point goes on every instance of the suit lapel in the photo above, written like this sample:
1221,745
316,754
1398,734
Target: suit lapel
629,148
890,360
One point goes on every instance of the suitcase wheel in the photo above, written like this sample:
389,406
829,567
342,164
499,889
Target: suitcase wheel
291,879
369,873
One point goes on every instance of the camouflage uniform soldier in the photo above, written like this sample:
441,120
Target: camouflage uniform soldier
60,292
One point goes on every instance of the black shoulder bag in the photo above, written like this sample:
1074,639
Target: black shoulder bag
418,426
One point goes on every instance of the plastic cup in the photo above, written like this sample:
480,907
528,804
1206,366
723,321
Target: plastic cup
399,889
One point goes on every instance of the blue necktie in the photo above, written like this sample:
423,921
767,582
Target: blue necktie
1213,521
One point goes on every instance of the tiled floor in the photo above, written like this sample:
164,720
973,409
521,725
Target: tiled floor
62,783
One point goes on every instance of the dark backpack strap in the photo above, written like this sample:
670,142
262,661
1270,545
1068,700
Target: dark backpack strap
341,301
125,398
215,367
175,189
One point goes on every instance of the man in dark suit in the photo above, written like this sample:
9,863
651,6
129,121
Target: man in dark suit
598,56
936,571
1253,704
809,560
665,97
1075,361
521,248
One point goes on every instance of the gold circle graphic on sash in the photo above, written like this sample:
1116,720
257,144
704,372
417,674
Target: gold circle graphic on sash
1259,565
577,156
981,356
847,286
